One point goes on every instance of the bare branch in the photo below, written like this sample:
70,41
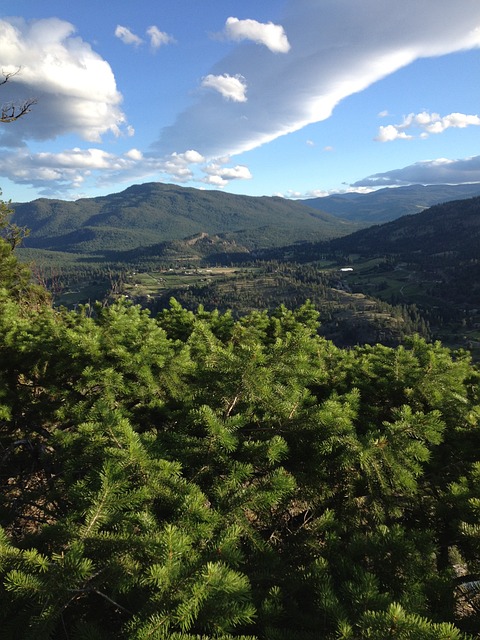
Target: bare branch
12,111
8,74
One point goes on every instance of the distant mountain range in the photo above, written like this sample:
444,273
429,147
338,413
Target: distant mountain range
151,213
156,219
390,203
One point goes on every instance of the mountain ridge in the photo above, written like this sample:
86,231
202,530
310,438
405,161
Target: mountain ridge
391,203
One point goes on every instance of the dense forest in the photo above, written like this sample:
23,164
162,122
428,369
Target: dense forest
191,475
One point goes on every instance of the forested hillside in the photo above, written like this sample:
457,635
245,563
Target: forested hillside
155,212
190,475
452,228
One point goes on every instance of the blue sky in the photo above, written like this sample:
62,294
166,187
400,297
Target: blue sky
298,98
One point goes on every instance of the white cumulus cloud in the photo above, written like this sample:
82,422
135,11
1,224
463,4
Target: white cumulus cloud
74,87
219,175
134,154
391,132
127,36
177,165
271,35
230,87
427,123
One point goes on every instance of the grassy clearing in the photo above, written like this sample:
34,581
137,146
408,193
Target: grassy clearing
154,283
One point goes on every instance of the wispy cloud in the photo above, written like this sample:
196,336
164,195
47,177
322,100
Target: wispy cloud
159,38
321,193
438,171
338,48
426,123
74,87
127,36
230,87
271,35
